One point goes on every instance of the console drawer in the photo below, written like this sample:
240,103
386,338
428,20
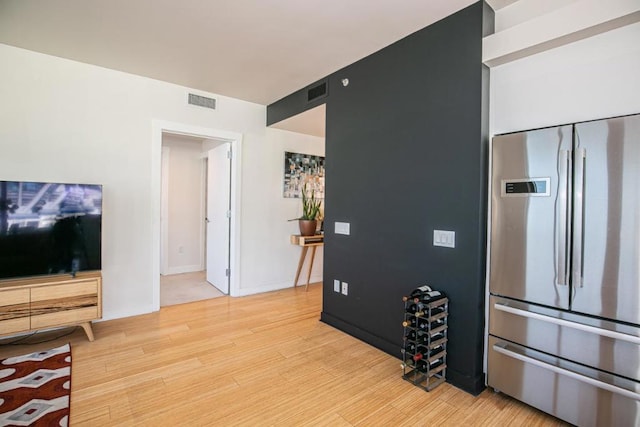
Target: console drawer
14,310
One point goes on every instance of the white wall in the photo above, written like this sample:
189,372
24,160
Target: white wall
528,27
270,211
185,177
65,121
590,79
525,10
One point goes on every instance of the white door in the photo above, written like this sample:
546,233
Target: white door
218,216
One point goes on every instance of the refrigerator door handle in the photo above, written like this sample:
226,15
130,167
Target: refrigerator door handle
501,347
562,230
578,209
561,322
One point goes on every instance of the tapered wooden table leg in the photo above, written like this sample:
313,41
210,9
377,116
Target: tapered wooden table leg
87,330
300,263
313,254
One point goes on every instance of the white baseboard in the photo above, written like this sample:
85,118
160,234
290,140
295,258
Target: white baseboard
275,286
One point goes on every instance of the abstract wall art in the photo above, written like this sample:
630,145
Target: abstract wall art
300,169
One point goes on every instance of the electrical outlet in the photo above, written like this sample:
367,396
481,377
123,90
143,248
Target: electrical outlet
345,288
336,285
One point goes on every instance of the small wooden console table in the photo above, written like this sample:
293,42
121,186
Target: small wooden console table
306,242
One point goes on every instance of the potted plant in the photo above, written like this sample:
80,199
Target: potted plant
308,222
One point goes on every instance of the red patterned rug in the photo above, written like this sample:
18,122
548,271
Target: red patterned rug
35,388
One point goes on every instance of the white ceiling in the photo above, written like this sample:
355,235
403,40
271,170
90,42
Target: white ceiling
255,50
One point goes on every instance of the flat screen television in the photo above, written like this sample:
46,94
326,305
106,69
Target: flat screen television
49,228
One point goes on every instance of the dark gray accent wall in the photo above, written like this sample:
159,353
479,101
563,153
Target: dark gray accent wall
295,103
406,154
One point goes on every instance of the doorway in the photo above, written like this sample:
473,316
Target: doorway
196,183
206,140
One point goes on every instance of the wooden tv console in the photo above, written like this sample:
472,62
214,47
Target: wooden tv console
50,301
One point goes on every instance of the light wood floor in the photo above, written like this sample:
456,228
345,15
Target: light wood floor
261,360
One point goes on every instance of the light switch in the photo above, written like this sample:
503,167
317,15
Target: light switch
444,238
342,228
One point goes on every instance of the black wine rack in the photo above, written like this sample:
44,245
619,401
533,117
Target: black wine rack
425,329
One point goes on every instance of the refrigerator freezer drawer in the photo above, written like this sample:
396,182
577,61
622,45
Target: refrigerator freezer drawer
605,345
571,392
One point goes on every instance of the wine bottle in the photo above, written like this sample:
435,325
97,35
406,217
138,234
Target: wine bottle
417,335
410,322
437,352
436,337
421,336
416,292
429,297
437,310
426,324
423,352
423,365
409,347
429,313
411,335
407,364
415,308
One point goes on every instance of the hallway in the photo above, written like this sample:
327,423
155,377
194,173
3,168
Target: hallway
186,287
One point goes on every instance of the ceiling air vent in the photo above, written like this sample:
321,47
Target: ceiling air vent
202,101
317,91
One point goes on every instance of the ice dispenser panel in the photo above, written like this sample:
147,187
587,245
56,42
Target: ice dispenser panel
525,187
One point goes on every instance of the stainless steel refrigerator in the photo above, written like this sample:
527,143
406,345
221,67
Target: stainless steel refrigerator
564,309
